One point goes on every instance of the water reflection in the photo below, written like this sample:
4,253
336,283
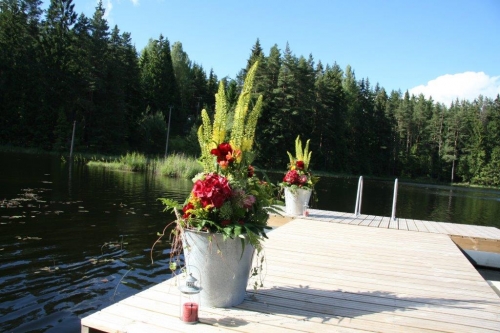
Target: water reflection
79,238
81,244
414,201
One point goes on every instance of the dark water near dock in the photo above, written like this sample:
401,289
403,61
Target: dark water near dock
75,240
414,201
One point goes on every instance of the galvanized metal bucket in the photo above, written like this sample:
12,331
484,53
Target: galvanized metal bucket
224,265
296,200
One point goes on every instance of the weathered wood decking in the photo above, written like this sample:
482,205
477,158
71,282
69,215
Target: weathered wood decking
451,229
323,276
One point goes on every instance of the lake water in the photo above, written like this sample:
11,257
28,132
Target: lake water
75,240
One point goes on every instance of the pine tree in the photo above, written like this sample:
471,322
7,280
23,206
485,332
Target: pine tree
182,70
159,85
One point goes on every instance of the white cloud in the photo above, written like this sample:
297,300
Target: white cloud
108,6
135,2
469,85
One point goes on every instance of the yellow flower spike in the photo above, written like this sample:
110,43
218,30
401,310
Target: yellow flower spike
220,117
298,149
245,145
300,155
306,155
205,140
238,132
251,125
292,159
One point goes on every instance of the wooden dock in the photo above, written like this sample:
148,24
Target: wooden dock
325,274
451,229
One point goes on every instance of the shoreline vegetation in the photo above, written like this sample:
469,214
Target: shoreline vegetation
175,165
183,166
85,83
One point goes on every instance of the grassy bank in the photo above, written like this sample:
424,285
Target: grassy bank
176,165
182,166
128,162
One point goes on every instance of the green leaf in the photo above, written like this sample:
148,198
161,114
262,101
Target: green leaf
237,230
170,204
242,247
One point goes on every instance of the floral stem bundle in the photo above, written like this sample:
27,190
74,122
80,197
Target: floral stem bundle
227,197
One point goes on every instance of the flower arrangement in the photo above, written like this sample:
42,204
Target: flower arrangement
298,174
227,197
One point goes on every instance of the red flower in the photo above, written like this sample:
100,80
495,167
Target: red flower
250,171
225,223
291,177
213,190
300,165
222,151
185,209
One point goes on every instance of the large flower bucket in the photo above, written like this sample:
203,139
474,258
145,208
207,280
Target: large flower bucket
295,201
224,270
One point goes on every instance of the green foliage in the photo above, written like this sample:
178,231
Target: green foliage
129,162
178,165
151,133
175,165
57,67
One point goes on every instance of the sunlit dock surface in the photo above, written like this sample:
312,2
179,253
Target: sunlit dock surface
324,273
452,229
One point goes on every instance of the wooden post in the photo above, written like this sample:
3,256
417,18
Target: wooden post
72,141
168,129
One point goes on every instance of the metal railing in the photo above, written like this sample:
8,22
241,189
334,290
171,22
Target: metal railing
394,199
357,208
359,195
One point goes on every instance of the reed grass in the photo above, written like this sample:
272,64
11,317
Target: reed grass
129,162
178,165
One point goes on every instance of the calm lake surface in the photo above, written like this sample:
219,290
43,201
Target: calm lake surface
74,240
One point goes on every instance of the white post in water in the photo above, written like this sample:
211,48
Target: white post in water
72,141
357,209
394,199
168,130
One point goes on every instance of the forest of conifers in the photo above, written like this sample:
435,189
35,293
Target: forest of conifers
58,67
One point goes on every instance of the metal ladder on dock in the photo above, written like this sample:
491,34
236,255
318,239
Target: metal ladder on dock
357,208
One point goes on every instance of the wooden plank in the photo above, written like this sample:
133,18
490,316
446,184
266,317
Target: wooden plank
375,316
430,227
357,220
447,227
476,232
384,222
420,226
367,220
451,286
438,228
375,221
492,232
237,318
477,244
403,225
393,224
333,276
411,225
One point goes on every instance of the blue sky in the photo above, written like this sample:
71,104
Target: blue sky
444,49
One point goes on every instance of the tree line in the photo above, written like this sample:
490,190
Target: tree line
58,68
